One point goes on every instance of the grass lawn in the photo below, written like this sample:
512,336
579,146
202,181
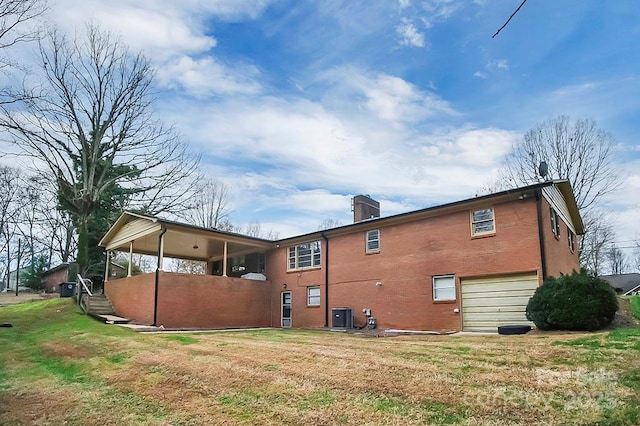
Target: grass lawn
58,366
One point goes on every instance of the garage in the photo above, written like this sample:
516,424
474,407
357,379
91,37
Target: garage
493,301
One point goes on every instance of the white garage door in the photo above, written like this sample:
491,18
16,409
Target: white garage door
490,302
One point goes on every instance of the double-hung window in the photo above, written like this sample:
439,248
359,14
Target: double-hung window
373,241
482,222
313,296
304,256
555,223
571,237
444,287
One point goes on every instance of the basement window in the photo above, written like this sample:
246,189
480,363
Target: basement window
482,222
444,287
304,256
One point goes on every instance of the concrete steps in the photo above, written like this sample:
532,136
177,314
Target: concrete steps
99,307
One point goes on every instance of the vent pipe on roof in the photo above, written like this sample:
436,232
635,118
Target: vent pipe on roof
364,207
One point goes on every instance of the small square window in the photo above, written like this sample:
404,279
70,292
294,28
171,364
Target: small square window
482,222
313,296
444,287
373,241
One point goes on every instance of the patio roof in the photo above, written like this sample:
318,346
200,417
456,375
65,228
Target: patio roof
180,240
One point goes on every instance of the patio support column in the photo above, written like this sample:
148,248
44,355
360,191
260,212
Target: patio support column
106,267
130,269
224,260
161,251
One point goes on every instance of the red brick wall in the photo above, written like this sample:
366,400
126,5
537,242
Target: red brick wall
559,258
410,255
206,301
133,297
296,282
54,279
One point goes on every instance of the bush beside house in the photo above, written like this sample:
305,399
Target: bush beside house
573,302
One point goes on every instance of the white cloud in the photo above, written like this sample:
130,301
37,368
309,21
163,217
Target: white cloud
409,35
206,76
481,74
440,10
160,29
390,98
403,4
175,36
502,64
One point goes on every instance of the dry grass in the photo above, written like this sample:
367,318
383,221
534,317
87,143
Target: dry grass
94,374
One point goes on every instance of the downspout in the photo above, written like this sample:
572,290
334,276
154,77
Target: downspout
326,280
543,256
155,292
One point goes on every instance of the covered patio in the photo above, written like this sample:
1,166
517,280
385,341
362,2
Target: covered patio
232,292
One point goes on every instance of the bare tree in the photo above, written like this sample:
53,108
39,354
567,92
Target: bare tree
636,257
254,229
184,266
329,223
94,130
211,204
594,244
617,260
575,150
14,15
9,199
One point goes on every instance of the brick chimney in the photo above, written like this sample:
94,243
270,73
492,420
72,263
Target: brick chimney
364,207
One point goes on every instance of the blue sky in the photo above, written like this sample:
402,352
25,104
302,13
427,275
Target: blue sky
298,105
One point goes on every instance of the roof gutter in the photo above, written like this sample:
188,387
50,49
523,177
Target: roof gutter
155,291
326,279
543,256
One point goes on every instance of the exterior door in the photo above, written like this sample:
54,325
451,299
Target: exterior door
286,309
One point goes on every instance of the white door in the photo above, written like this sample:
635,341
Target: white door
502,300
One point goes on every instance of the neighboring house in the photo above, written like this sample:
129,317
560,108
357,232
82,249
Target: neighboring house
13,279
55,276
467,265
625,284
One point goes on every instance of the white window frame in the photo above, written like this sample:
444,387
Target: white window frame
571,238
448,282
475,222
369,238
313,299
297,256
555,223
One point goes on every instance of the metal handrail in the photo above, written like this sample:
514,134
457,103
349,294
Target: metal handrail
84,289
82,281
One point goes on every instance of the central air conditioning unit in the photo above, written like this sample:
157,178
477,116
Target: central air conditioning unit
341,319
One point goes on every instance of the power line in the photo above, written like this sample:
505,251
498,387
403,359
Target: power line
510,17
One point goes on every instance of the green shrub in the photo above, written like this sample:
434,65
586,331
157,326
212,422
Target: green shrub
573,302
634,301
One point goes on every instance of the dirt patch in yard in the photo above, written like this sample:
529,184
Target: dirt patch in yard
10,298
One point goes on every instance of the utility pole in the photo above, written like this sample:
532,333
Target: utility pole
18,267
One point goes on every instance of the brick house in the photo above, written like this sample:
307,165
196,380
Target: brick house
467,265
55,276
